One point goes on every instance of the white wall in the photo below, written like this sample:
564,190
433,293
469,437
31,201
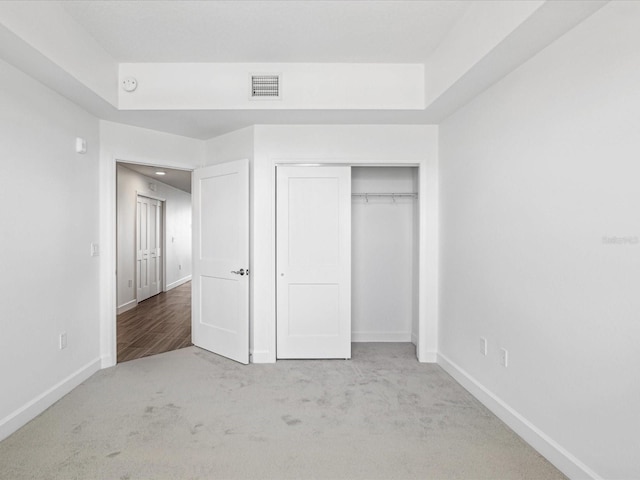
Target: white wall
141,145
132,145
236,145
535,172
383,255
177,241
226,86
49,218
352,144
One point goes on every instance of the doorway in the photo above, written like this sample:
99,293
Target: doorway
153,260
376,214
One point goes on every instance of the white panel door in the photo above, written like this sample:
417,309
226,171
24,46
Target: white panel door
313,262
220,286
148,247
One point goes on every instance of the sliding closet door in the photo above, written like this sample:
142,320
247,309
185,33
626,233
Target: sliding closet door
313,262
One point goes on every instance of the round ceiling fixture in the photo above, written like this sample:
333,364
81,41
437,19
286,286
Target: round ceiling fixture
129,84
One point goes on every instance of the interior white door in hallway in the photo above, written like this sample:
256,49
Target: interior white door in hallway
313,262
148,247
220,285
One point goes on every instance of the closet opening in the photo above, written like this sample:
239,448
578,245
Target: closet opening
384,254
347,258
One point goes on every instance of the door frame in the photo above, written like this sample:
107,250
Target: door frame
427,334
108,258
163,240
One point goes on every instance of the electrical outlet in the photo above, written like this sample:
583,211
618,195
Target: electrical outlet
130,283
483,346
179,267
63,340
504,357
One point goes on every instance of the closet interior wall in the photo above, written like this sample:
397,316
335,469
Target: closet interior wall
384,255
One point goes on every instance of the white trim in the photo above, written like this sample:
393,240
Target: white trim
414,339
262,356
429,357
177,283
164,235
108,260
107,361
546,446
125,307
35,407
381,336
149,194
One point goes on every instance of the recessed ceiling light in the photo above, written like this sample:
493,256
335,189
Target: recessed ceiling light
160,173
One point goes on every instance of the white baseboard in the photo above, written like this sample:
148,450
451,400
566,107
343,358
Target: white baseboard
262,356
414,339
35,407
546,446
127,306
177,283
107,361
380,336
429,357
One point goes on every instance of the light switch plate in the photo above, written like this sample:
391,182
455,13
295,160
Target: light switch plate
81,145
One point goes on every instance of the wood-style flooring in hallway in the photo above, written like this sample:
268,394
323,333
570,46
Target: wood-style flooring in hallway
159,324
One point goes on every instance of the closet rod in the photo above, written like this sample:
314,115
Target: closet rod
392,195
414,194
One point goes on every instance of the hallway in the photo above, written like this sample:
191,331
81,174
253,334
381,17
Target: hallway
159,324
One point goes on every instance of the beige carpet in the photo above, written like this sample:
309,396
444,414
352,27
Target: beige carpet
189,414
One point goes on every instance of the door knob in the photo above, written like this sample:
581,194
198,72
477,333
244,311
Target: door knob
240,272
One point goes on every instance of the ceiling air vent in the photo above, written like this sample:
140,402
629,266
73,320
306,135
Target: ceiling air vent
265,87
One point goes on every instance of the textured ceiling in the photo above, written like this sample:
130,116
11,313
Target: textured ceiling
267,31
